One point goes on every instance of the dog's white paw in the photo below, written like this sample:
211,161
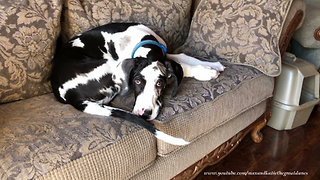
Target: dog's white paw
215,65
204,73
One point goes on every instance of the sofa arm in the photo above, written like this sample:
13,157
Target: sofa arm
289,31
309,34
293,22
317,34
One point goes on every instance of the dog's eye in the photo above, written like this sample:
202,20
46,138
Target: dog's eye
159,84
137,81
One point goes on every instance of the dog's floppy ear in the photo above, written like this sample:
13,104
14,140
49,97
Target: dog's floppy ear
127,67
174,71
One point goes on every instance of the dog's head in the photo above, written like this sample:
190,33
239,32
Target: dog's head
148,79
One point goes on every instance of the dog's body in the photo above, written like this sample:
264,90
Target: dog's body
94,67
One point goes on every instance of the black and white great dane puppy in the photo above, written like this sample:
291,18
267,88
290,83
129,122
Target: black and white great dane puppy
97,65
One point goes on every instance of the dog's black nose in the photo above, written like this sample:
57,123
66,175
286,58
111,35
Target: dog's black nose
146,114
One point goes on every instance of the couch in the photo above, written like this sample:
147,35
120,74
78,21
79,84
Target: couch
306,40
41,138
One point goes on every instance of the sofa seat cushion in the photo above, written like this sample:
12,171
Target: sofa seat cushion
220,139
199,107
40,135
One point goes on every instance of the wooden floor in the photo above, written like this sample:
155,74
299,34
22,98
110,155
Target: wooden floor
293,151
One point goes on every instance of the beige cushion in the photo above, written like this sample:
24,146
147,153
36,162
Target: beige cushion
179,160
200,107
92,166
242,32
28,34
39,135
170,19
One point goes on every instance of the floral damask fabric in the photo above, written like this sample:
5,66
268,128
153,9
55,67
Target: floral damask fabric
28,33
241,31
192,93
168,18
40,134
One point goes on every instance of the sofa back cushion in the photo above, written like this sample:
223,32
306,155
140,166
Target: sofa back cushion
169,18
28,34
242,32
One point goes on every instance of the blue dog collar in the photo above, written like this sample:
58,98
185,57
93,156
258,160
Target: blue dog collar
144,42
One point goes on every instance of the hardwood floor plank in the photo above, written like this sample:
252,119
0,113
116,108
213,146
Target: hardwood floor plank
296,150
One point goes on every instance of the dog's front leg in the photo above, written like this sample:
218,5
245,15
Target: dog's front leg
200,70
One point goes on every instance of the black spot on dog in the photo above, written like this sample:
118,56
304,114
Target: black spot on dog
112,50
